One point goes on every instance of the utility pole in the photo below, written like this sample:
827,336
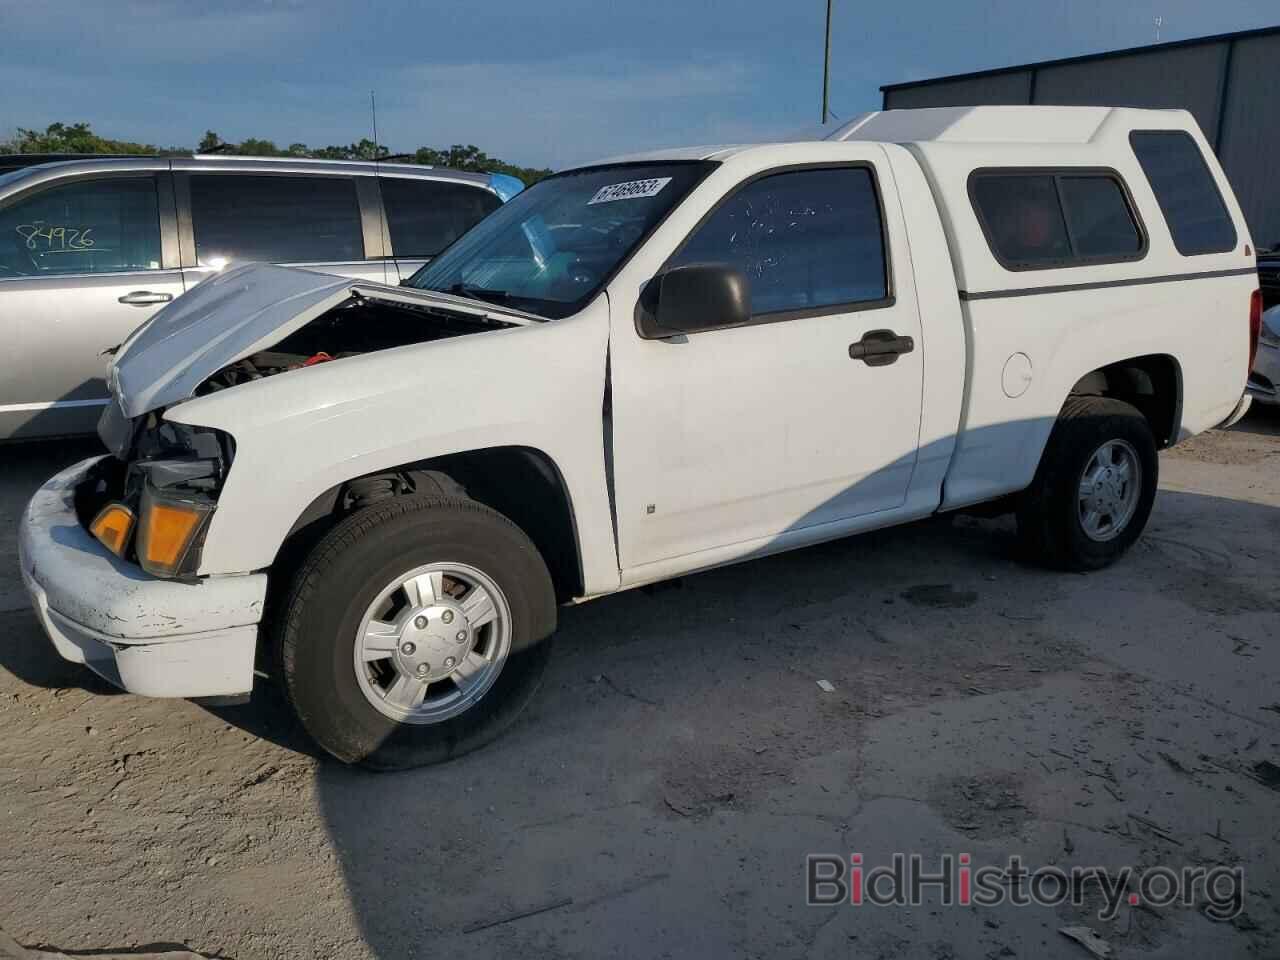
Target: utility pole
826,65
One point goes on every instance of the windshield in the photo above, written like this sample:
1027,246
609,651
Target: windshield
556,244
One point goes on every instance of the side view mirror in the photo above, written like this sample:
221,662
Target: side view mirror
699,296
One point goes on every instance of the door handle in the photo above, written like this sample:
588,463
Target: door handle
141,298
879,348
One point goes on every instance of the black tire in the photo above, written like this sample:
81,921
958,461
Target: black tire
1049,526
343,574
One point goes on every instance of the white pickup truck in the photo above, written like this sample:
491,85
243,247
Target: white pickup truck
635,370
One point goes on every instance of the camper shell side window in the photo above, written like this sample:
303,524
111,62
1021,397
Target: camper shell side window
1037,218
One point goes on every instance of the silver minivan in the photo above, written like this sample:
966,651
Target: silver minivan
89,249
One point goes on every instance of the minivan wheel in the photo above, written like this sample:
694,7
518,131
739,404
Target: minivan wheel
1094,488
416,630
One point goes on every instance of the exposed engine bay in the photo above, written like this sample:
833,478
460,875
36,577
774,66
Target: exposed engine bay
360,325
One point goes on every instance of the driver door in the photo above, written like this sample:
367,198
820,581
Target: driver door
728,440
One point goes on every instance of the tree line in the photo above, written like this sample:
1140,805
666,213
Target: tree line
79,138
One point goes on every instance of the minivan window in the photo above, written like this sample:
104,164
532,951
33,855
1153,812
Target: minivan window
1188,196
425,216
109,225
804,239
276,219
1043,219
552,247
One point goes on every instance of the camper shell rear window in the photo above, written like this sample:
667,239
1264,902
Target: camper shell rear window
1037,218
1188,196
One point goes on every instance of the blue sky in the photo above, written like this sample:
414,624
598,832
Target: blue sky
555,82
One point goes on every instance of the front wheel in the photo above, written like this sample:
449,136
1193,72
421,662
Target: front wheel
1094,488
416,630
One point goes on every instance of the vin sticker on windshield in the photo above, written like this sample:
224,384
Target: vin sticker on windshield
631,190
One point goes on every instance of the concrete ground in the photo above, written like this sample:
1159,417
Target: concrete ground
681,760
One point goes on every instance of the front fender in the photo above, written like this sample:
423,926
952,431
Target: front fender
300,433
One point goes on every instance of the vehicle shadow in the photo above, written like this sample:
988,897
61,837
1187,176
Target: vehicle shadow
660,793
26,653
1261,420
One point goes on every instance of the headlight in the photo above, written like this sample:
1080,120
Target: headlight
171,530
155,508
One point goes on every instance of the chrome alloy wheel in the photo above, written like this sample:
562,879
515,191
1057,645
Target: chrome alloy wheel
432,643
1110,487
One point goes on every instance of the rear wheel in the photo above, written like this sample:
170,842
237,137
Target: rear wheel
1094,488
416,630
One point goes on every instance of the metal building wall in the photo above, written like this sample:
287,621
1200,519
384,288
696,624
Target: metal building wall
1250,144
1187,77
1231,85
1002,88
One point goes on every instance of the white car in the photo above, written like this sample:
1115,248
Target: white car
1264,377
635,370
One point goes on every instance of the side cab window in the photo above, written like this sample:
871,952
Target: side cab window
106,225
808,241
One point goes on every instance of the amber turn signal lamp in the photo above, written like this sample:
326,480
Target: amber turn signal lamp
112,527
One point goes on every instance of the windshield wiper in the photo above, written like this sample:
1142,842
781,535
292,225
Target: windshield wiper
478,293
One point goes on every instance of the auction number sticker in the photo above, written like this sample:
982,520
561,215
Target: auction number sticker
631,190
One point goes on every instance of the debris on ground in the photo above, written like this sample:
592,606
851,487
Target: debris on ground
546,907
1087,939
1174,763
940,596
10,949
1162,832
1267,773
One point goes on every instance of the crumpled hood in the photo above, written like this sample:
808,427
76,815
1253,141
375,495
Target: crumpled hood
233,315
218,322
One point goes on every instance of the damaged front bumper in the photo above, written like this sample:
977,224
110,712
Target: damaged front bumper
154,637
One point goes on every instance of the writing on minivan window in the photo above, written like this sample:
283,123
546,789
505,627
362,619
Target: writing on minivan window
50,238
